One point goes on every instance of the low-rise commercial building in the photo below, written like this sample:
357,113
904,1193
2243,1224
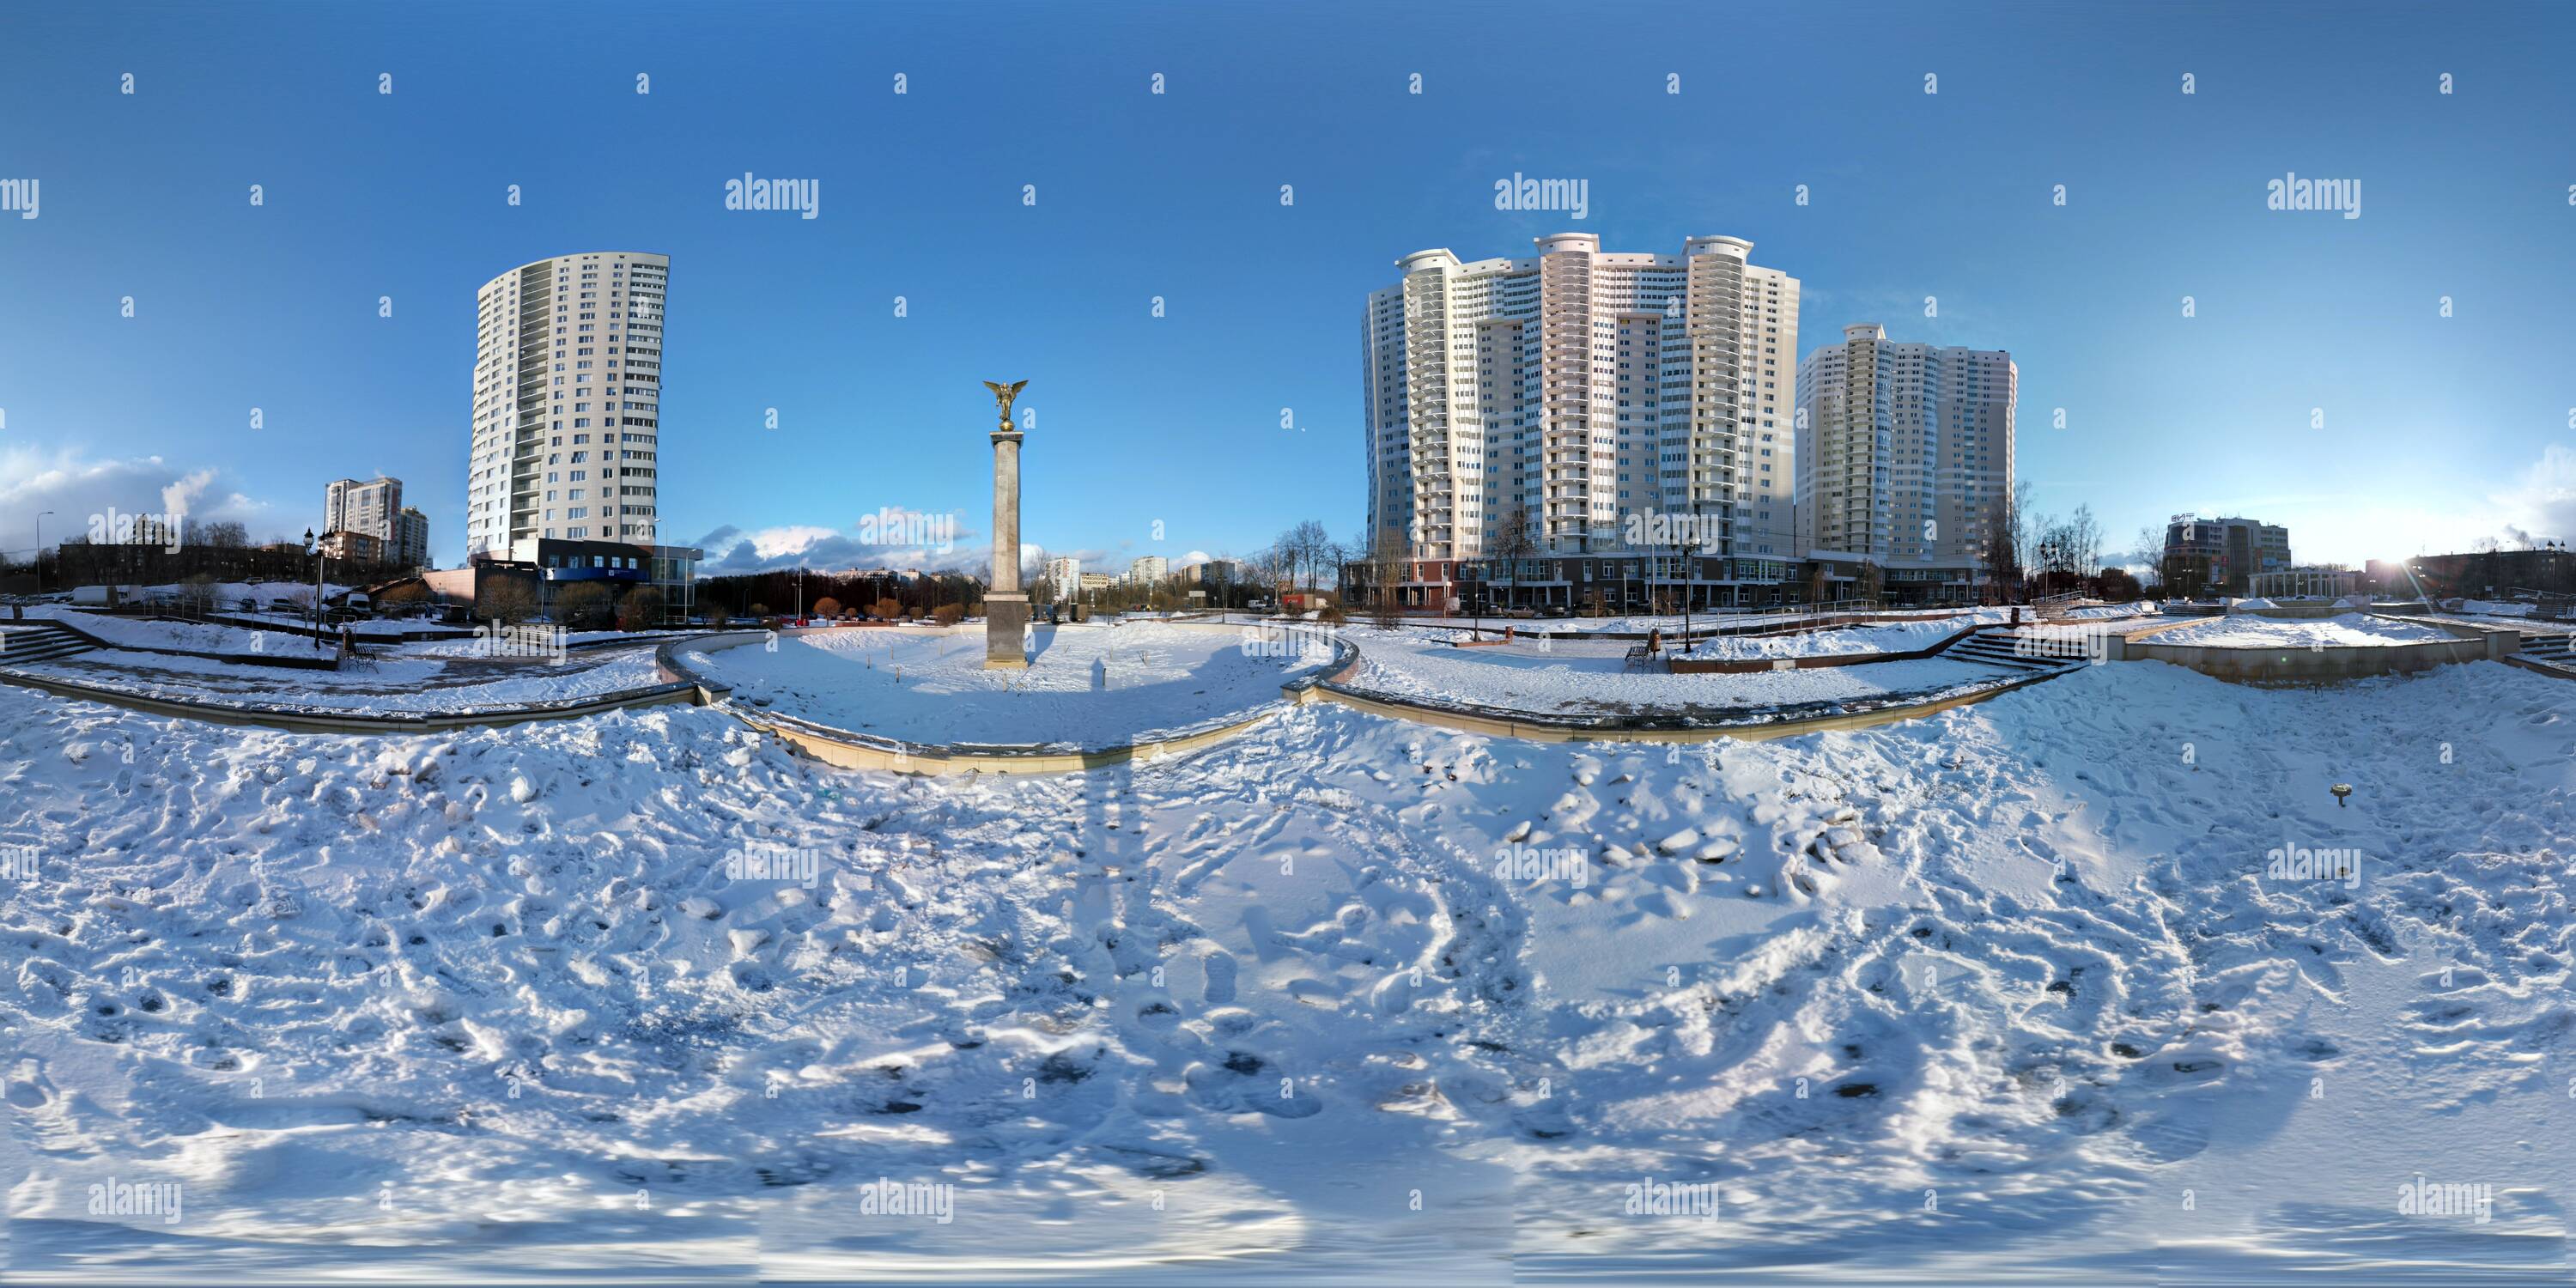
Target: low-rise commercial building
2221,556
2305,583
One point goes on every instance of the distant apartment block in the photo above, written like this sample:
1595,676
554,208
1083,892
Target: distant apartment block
353,547
567,403
410,546
2304,583
1146,570
2221,556
1064,575
370,507
1536,404
1905,454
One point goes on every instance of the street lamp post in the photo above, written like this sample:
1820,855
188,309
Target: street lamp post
311,549
40,550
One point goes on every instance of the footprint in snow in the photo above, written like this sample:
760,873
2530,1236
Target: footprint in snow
1220,970
2171,1138
27,1086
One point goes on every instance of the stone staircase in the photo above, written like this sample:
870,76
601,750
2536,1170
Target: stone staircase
39,642
1996,648
2557,651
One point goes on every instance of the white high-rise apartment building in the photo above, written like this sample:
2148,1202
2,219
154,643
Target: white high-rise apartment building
1575,388
1146,570
1064,575
567,402
1905,451
370,507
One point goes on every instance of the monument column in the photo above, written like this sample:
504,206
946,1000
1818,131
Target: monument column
1006,606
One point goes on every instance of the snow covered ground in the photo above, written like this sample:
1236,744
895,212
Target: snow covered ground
195,637
230,594
395,685
2016,993
1886,637
392,627
1580,677
2347,629
1085,686
1670,624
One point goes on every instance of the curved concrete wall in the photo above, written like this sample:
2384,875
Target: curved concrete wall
863,751
2329,665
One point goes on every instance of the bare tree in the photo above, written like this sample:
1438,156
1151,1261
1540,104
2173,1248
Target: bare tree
2149,551
585,605
1516,537
2085,535
1386,572
2003,542
505,601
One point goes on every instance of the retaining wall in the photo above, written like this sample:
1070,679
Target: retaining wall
851,750
1746,666
352,722
2327,665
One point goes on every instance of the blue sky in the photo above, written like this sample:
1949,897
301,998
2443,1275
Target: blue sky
2436,430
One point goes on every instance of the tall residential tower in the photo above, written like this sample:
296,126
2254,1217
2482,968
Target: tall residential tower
1905,454
567,402
1539,403
372,507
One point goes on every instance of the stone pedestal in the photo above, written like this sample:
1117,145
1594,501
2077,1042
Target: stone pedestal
1006,606
1006,620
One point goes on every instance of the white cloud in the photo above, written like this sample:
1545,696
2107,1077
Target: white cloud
776,543
731,550
2542,504
79,489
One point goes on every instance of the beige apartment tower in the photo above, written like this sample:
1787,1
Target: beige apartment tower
1540,402
1905,454
567,403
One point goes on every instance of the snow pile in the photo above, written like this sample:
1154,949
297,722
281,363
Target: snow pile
1589,678
1085,686
2139,608
193,637
2248,605
363,629
230,594
2494,608
600,999
2344,630
401,685
1888,637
